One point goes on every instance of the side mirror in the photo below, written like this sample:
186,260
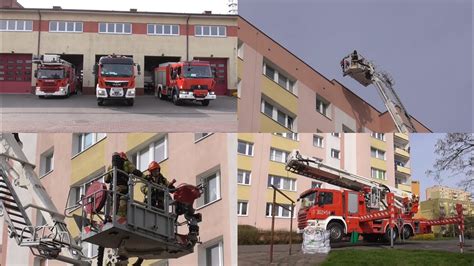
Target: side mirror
36,74
95,69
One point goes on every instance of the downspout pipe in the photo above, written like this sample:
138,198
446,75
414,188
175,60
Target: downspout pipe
187,38
39,33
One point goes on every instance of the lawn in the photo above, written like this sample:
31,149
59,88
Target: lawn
387,257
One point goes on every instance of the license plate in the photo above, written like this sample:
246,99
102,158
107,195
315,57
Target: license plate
117,92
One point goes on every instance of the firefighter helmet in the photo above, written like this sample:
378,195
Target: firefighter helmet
123,155
153,166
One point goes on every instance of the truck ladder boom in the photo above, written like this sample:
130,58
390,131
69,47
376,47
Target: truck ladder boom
315,169
13,163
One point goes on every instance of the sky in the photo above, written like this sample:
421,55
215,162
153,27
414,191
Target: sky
178,6
426,45
422,158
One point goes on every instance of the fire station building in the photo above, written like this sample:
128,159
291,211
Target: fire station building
81,37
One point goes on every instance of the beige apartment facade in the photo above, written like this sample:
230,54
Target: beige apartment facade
66,162
278,92
261,163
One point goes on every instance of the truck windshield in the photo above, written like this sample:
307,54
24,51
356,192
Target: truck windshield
116,70
197,72
324,198
50,73
308,200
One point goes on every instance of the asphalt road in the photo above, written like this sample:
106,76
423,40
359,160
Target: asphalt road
80,113
259,254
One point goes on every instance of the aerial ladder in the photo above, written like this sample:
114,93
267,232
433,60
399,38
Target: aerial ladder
365,72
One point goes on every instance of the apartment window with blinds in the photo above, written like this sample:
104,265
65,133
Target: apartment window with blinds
65,26
243,177
210,31
115,28
16,25
318,141
278,155
155,151
376,153
242,207
282,183
162,29
245,148
378,174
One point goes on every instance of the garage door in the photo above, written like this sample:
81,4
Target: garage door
220,65
15,73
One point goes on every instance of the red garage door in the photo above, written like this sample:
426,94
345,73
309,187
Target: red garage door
15,73
220,65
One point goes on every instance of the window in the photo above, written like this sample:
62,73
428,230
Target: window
245,148
210,31
240,50
288,135
242,207
162,29
379,136
115,28
278,155
318,141
277,115
335,153
199,136
315,184
214,256
47,162
281,182
377,173
65,26
282,211
335,135
16,25
212,192
347,129
243,177
322,106
376,153
281,79
155,151
269,72
82,141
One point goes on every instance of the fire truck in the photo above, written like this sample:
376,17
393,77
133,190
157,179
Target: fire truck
363,205
115,79
182,81
147,231
54,76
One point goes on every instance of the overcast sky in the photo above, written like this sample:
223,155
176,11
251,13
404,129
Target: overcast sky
178,6
426,45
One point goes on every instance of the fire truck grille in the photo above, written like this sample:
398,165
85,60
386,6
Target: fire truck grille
199,87
302,221
118,84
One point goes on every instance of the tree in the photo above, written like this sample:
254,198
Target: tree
456,159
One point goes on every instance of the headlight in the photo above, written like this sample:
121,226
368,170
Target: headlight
131,92
211,93
101,92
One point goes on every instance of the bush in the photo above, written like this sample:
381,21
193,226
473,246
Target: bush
430,236
250,235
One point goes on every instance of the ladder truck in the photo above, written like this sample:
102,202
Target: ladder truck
146,232
365,72
373,209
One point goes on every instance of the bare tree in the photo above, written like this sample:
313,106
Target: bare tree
455,159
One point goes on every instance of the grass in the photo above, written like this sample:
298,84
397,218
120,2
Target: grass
388,257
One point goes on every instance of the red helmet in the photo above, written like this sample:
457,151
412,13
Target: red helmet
153,166
123,155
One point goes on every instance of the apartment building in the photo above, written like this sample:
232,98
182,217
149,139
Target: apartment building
81,37
279,92
261,162
66,162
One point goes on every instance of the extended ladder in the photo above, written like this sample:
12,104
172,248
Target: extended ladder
47,240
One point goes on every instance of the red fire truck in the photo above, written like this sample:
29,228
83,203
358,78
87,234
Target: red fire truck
54,77
180,81
115,79
363,205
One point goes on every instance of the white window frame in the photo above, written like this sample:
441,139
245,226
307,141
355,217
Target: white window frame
379,154
204,179
246,175
240,204
151,152
320,142
336,134
200,136
293,182
374,173
96,137
279,212
44,160
240,50
220,246
288,135
290,84
334,152
16,23
248,148
273,152
291,126
115,26
75,23
323,106
379,136
162,26
210,27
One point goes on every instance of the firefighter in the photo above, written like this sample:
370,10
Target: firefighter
157,196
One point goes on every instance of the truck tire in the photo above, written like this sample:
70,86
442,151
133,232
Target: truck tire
386,236
68,92
406,232
336,231
100,102
41,96
175,98
371,238
130,102
205,102
161,96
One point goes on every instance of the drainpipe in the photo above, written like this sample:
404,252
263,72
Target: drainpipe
39,33
187,38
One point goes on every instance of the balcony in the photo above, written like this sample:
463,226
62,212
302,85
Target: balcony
402,153
279,95
402,136
403,170
404,187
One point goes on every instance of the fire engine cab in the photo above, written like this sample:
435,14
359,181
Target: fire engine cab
54,76
181,81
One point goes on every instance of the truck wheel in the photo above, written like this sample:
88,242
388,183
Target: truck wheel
130,102
406,232
68,93
161,96
205,102
386,236
41,96
175,98
100,102
336,231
